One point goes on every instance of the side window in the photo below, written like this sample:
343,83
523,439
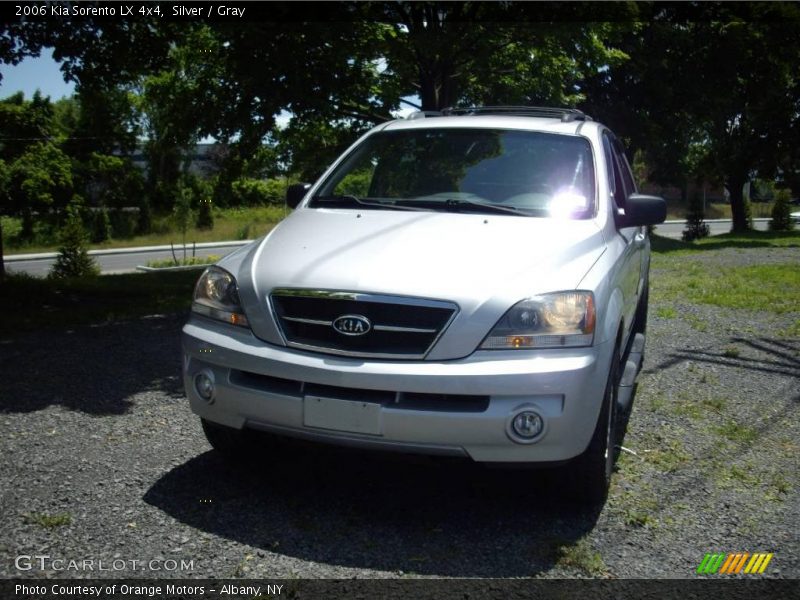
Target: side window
625,168
615,181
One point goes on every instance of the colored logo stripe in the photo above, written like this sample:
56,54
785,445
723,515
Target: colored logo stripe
711,563
733,563
758,564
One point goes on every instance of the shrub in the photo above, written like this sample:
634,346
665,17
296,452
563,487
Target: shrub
243,233
73,260
205,216
26,233
144,223
101,226
123,223
186,262
781,212
696,227
257,192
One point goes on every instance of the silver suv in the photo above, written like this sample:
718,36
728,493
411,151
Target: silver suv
469,283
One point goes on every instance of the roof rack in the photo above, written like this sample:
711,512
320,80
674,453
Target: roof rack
565,114
421,114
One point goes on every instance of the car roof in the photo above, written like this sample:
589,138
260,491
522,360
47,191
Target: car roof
493,121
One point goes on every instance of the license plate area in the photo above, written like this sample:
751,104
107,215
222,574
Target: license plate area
342,415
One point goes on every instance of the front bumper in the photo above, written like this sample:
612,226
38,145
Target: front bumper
262,386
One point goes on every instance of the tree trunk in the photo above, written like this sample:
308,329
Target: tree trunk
437,88
738,212
429,91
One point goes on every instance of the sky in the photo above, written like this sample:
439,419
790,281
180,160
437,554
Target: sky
43,73
32,73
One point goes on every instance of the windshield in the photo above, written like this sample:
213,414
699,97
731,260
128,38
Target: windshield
481,170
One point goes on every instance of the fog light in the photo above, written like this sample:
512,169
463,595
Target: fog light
526,426
204,384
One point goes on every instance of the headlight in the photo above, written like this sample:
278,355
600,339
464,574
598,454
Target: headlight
561,320
216,295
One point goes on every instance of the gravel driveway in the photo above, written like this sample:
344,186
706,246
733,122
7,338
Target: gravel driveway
102,460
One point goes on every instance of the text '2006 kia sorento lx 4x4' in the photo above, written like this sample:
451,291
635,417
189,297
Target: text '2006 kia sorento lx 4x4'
472,283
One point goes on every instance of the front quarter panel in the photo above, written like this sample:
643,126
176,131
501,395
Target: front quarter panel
603,279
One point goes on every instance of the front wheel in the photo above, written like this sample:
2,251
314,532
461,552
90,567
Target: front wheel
590,473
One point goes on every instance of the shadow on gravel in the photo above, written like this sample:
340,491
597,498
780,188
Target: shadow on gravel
783,356
94,369
386,512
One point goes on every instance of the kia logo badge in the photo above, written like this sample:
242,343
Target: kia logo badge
352,325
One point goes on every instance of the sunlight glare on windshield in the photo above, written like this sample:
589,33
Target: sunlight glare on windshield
566,202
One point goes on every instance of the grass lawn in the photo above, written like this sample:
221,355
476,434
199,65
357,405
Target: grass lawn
229,224
683,271
750,239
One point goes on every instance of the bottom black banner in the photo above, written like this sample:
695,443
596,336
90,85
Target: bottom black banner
377,589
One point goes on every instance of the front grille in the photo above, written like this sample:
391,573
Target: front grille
396,400
400,327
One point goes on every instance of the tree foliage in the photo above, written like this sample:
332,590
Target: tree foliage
704,92
73,260
41,178
101,226
713,97
782,212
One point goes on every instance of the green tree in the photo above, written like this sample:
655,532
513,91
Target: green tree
28,183
101,226
110,180
24,123
712,94
73,259
183,214
782,212
40,179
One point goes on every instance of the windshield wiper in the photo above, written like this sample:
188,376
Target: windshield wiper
391,205
455,204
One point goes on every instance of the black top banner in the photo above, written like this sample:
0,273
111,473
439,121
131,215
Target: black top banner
342,11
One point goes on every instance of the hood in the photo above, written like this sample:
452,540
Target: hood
483,263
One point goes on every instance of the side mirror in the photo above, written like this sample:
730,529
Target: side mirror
295,193
641,209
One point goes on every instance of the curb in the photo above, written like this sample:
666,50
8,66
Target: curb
168,269
133,250
683,221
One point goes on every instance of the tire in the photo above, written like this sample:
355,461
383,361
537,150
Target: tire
232,444
589,474
640,321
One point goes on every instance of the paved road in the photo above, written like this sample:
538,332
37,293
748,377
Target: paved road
124,261
118,262
673,229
